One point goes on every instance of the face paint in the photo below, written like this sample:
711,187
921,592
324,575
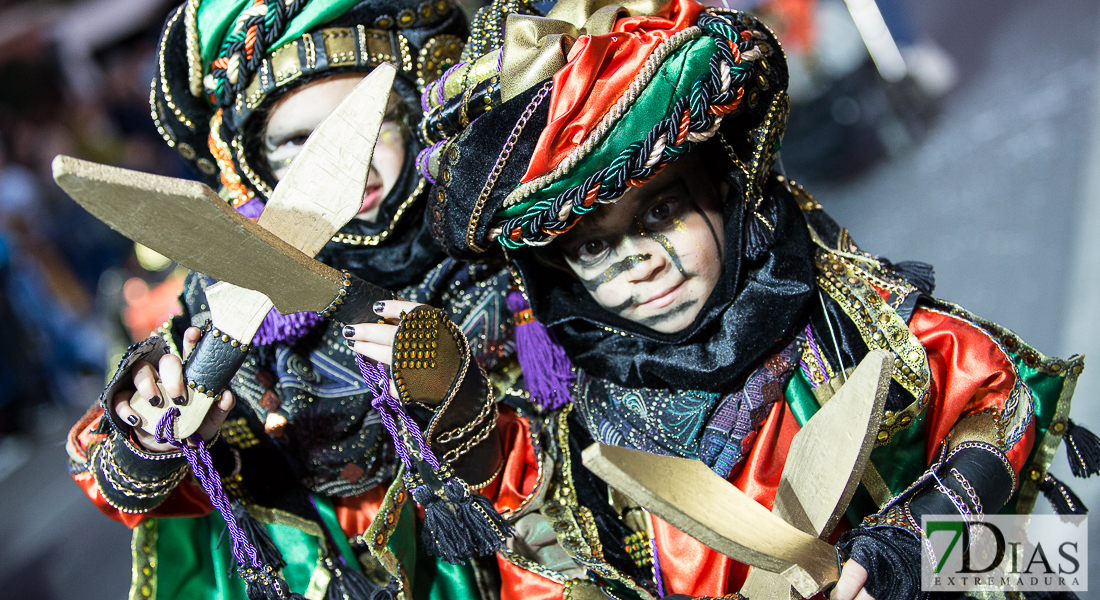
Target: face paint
664,242
659,318
713,233
614,271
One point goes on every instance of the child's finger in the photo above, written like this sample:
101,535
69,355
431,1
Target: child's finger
121,406
190,339
392,309
171,379
145,380
381,353
376,333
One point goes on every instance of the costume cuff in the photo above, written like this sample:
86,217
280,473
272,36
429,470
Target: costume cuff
133,480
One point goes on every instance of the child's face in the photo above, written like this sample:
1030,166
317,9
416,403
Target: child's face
654,256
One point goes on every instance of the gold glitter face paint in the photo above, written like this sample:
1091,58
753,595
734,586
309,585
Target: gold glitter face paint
664,242
681,227
614,271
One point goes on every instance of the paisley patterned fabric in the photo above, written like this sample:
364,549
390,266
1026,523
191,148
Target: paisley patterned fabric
716,429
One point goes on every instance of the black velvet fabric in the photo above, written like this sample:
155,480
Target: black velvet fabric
986,475
891,556
755,307
465,168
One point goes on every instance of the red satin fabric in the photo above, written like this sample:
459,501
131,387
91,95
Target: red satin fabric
970,374
691,568
599,69
521,584
356,513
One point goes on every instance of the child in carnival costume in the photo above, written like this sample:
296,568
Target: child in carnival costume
709,305
307,475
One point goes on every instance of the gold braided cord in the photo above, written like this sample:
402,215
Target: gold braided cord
194,55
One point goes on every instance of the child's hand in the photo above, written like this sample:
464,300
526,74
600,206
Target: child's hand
850,586
375,340
170,373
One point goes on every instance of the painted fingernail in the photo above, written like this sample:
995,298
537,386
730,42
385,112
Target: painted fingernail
179,400
132,419
155,401
349,331
379,307
350,343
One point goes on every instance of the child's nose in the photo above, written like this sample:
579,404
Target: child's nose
650,266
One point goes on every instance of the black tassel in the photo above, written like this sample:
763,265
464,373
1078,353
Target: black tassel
1083,448
389,592
265,584
258,537
442,535
918,273
479,519
1061,498
759,235
348,584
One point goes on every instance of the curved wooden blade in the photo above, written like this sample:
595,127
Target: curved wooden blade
697,501
826,460
323,189
187,222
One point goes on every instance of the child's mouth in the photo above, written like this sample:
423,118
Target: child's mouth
664,298
372,195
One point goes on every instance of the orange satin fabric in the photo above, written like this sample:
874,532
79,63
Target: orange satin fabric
521,469
970,374
599,70
520,584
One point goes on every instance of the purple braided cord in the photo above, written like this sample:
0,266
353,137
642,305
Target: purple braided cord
199,459
422,161
377,377
443,78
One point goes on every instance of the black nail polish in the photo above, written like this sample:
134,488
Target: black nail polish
379,307
350,343
132,419
349,331
155,401
179,400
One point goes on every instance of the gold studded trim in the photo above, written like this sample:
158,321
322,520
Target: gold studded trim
377,536
143,548
439,54
848,283
339,299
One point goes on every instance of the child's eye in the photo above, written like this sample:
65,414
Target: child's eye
659,214
592,251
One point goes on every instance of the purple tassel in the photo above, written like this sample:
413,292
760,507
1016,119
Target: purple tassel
251,209
547,371
285,329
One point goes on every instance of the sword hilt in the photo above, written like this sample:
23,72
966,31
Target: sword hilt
207,373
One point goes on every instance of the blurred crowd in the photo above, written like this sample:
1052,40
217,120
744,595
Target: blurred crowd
74,80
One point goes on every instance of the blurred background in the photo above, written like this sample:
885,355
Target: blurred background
963,134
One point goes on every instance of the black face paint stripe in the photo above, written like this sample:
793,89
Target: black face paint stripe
668,314
614,271
713,232
664,242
